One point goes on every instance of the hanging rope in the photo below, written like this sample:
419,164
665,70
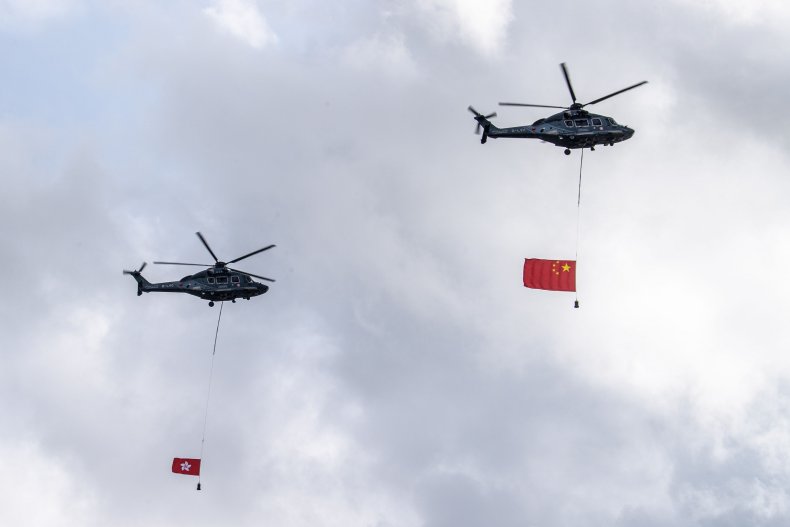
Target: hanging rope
578,222
208,396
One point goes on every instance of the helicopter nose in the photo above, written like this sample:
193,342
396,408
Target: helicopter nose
628,132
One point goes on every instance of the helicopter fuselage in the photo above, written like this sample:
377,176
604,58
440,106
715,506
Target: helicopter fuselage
569,129
213,284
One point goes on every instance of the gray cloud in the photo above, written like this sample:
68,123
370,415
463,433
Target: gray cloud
397,373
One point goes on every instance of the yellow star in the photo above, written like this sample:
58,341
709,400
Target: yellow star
566,268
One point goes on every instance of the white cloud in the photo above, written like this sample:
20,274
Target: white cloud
26,14
243,20
397,373
736,11
35,9
39,489
386,53
481,25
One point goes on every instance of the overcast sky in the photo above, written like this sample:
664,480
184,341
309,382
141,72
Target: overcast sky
397,374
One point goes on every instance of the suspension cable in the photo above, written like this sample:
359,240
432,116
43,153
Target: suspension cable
208,395
578,222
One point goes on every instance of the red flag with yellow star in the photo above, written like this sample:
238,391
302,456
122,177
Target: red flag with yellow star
553,275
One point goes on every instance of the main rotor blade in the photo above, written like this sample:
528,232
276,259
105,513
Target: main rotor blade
568,81
181,263
252,253
255,275
531,105
478,114
616,93
202,239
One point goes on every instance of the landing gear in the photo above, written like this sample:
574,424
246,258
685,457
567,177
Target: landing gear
567,151
211,304
592,149
233,300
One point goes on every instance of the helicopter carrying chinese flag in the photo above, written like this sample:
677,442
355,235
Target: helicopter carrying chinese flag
574,127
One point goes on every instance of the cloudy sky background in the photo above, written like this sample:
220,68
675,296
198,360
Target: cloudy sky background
397,374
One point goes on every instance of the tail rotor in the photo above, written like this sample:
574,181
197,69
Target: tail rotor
138,277
138,271
485,117
482,122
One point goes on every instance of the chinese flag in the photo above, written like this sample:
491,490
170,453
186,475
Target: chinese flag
554,275
190,467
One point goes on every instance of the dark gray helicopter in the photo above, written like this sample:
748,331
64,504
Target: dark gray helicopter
573,128
216,284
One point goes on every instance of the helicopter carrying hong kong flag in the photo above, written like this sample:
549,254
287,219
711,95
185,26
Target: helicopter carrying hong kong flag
552,275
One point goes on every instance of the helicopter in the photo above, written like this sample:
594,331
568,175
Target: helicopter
575,127
218,283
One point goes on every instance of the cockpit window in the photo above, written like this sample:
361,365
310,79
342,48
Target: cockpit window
582,122
611,121
569,123
249,279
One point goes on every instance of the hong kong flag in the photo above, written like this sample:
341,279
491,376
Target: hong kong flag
190,467
553,275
